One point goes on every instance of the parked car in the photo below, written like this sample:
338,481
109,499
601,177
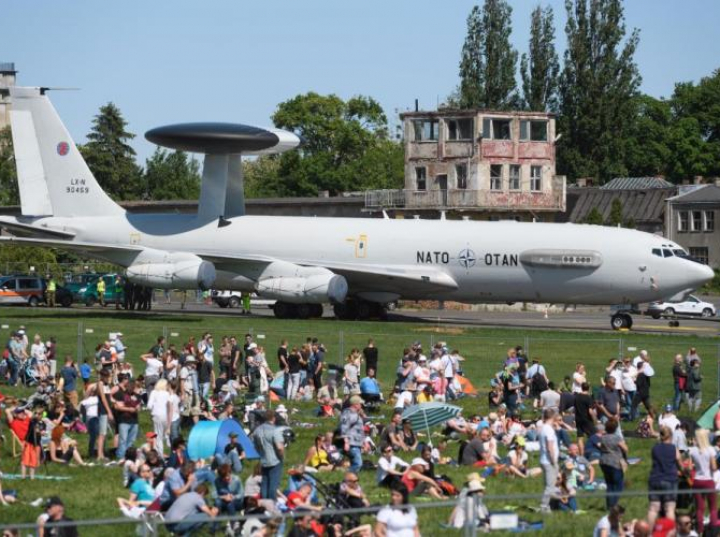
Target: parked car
89,294
691,306
28,290
233,299
75,282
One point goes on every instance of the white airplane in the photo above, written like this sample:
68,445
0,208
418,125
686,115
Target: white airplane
357,264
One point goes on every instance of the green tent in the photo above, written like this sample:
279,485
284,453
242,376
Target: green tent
707,420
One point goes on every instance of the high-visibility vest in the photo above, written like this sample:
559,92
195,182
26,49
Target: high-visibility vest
51,286
101,286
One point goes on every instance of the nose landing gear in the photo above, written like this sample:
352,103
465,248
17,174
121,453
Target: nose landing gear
621,320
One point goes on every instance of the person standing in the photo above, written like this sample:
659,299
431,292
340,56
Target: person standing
353,433
585,415
549,452
69,375
679,381
703,459
627,382
161,410
270,445
101,291
694,386
663,480
370,353
50,291
613,451
609,403
118,290
127,406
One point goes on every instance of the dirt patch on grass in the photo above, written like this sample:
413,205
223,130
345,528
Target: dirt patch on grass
451,331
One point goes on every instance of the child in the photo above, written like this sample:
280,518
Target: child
85,372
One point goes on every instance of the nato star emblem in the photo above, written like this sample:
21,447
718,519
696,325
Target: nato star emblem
467,258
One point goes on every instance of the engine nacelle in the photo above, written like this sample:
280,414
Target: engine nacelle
182,274
314,289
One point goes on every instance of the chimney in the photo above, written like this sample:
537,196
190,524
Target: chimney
581,182
698,180
417,105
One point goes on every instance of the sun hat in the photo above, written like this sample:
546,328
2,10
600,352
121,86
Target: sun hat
417,461
356,400
190,359
281,408
150,434
475,486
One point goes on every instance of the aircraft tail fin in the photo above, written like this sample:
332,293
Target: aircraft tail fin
53,178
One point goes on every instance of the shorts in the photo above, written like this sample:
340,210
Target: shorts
585,429
30,455
103,425
662,491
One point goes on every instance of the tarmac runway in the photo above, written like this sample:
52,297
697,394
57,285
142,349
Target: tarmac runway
581,319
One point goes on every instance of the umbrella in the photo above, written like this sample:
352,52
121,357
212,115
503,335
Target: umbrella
426,415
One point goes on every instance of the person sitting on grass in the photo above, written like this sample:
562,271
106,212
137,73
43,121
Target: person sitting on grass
229,491
418,484
370,389
301,498
8,496
189,514
142,494
388,463
517,461
399,518
563,497
317,457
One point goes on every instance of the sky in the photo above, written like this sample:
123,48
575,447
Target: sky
176,61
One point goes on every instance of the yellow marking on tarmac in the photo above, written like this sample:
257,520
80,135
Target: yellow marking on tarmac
350,239
678,328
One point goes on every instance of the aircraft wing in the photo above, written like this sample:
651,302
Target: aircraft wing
93,249
360,276
18,229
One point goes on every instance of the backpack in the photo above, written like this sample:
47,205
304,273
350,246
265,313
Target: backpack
539,382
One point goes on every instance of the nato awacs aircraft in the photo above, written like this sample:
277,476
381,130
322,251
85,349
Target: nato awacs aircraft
358,265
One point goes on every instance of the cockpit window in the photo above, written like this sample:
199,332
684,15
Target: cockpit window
657,252
680,253
667,253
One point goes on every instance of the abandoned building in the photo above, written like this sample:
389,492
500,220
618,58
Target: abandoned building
481,164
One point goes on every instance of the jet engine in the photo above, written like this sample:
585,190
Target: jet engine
312,289
190,273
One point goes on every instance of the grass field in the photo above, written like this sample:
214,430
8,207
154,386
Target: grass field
91,492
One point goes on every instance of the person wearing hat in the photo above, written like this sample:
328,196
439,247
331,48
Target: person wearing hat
352,431
417,483
55,512
233,454
470,506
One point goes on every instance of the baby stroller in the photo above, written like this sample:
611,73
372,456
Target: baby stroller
332,499
28,373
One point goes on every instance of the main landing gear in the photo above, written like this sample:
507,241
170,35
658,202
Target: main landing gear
362,310
621,320
286,310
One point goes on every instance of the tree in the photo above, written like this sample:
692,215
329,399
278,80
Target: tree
647,152
615,218
597,88
594,217
110,158
346,147
488,61
539,69
8,175
172,176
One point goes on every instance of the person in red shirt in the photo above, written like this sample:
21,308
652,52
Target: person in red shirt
19,421
301,498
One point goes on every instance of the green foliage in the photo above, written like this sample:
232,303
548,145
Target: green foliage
171,175
346,147
597,88
8,174
615,218
110,158
594,217
488,61
19,259
539,69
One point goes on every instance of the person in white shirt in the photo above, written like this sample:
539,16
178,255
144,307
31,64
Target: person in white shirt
119,346
153,370
647,368
548,457
397,521
38,352
628,375
579,378
403,399
387,473
161,410
89,406
668,418
610,524
175,411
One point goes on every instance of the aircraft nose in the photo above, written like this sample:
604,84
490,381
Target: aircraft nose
701,274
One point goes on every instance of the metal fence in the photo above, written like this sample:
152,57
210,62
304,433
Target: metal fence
154,524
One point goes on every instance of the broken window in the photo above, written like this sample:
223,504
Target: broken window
460,129
500,129
421,178
425,129
496,177
534,130
514,178
536,178
461,176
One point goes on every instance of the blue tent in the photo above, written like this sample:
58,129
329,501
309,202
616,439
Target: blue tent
210,437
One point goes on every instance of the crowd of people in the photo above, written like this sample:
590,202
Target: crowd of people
575,427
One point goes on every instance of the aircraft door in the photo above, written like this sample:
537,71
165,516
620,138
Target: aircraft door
442,182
